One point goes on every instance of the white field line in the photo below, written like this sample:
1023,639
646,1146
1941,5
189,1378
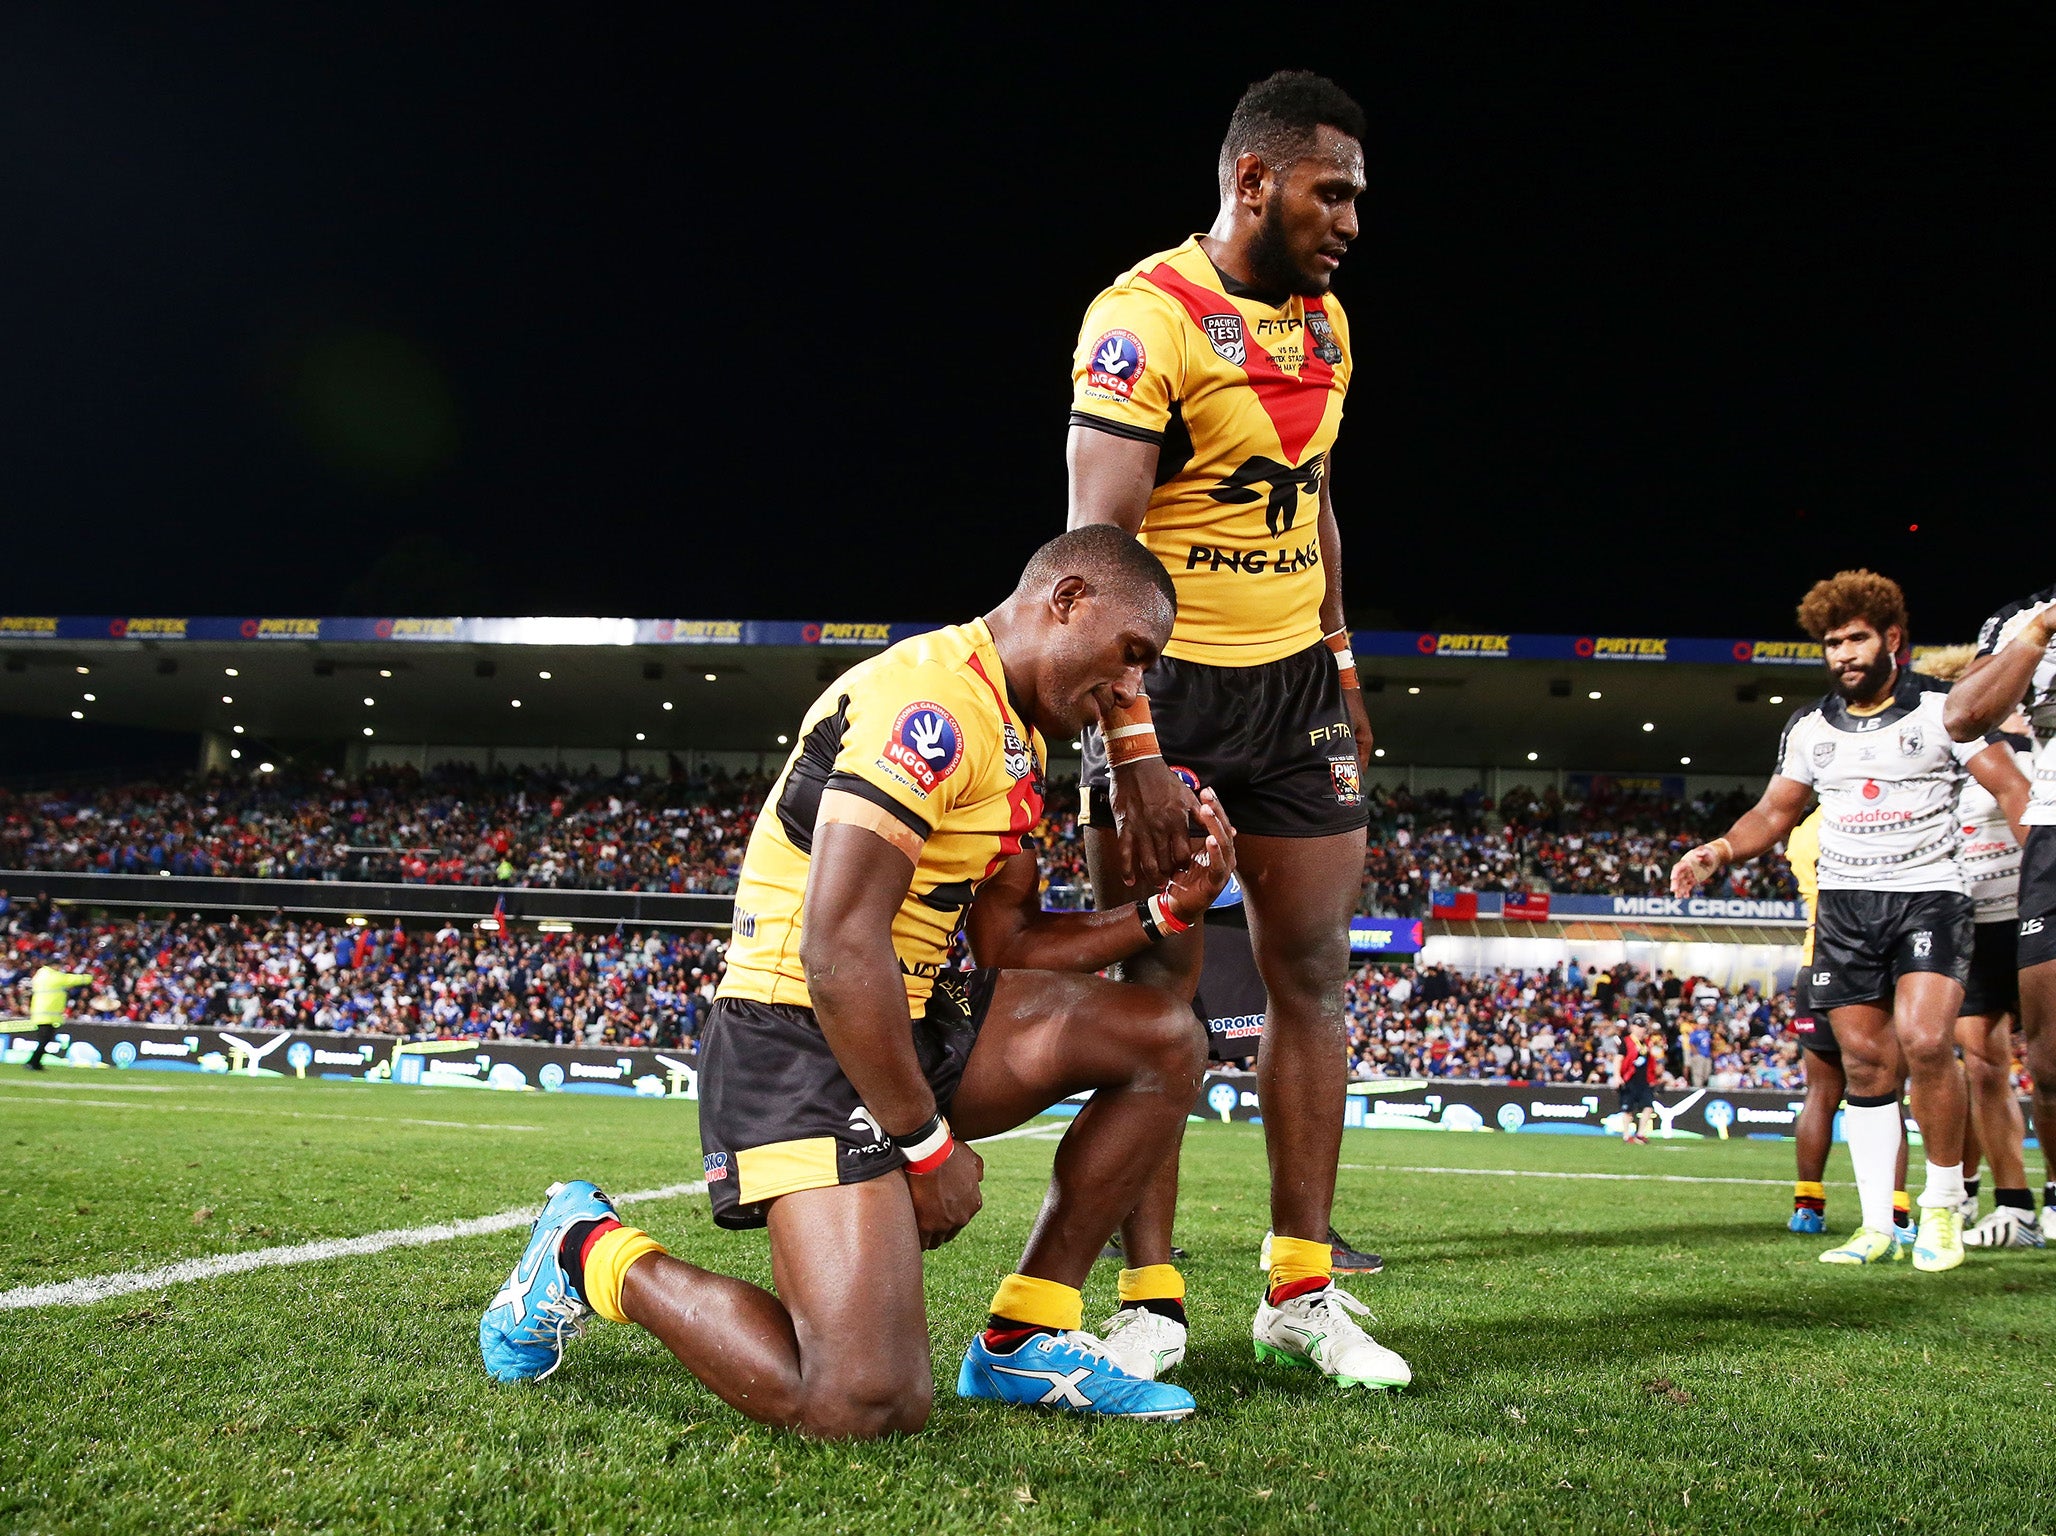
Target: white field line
1539,1173
271,1114
1030,1131
31,1082
92,1288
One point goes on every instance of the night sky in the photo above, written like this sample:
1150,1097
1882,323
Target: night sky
1660,314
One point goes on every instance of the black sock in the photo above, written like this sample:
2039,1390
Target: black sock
1163,1306
1004,1335
2049,1194
571,1252
1970,1187
2019,1199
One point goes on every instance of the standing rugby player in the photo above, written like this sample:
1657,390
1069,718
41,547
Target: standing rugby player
1207,392
2015,668
1893,926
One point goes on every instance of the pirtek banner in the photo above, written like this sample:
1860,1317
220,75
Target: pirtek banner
514,1066
1396,643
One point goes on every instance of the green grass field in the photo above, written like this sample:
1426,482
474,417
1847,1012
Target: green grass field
1590,1355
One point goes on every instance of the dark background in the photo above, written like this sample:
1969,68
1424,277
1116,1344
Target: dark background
1659,315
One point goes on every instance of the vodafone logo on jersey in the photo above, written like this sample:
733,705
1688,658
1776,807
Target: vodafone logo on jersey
1872,790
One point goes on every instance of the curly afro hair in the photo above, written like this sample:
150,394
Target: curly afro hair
1945,663
1278,117
1850,595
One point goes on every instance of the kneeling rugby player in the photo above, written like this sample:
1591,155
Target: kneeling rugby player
843,1070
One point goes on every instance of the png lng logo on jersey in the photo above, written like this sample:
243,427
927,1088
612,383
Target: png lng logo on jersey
1349,787
1117,362
1285,482
926,745
1225,332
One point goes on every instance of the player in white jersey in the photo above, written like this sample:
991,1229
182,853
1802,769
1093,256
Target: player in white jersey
1892,932
2015,668
1989,854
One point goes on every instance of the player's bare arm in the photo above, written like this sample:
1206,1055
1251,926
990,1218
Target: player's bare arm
1111,477
1009,930
857,880
1335,622
1996,769
1992,687
1756,831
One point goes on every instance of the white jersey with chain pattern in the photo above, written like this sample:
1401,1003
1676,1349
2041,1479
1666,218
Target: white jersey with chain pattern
1888,785
1989,853
2039,700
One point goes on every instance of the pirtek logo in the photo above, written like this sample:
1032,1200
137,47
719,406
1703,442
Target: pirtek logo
830,633
1471,645
1256,561
1628,645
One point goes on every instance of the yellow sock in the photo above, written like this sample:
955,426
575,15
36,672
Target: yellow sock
1808,1189
1294,1258
1152,1282
1042,1303
606,1266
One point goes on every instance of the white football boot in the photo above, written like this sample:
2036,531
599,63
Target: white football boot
1317,1332
2007,1227
1143,1343
1967,1209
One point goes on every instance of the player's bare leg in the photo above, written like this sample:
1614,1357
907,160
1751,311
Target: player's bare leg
1174,966
1987,1042
827,1358
2038,1039
1300,891
837,1360
1815,1133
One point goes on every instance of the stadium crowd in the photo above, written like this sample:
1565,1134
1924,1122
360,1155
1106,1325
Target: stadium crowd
1565,1026
629,987
620,988
1612,841
685,832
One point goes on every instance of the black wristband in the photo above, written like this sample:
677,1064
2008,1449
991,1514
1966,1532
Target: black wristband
914,1138
1150,930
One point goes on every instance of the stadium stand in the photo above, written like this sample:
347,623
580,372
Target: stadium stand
685,832
623,988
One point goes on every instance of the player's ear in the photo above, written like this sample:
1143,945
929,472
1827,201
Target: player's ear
1065,596
1250,172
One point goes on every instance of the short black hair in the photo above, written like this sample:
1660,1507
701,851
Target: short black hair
1277,118
1105,555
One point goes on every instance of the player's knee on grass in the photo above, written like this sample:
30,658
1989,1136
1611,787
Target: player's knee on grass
862,1401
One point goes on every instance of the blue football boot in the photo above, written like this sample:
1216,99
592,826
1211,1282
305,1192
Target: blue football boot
522,1335
1069,1371
1812,1223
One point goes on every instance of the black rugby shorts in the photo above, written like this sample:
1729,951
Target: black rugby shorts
2037,930
1273,741
776,1113
1864,941
1994,984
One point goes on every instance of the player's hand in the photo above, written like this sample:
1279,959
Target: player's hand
1153,811
1360,727
2039,630
947,1199
1192,890
1695,869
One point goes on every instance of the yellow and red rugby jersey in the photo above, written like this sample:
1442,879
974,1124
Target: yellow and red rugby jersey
1245,399
925,733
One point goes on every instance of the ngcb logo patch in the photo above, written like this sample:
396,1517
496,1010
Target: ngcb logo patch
926,744
1117,361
